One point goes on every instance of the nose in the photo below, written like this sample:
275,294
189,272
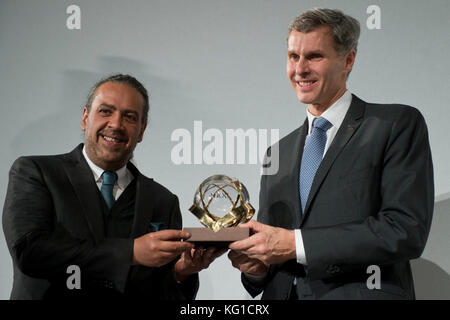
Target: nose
115,121
302,66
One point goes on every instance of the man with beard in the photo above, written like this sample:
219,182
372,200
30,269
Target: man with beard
93,210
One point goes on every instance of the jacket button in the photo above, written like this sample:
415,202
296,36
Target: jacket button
333,269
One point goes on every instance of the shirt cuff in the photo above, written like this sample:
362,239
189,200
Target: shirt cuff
299,248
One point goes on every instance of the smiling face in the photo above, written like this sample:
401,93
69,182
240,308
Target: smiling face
316,71
113,125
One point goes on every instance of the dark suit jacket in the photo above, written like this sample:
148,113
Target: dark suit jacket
53,218
371,203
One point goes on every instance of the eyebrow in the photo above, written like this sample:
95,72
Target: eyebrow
108,105
308,54
111,106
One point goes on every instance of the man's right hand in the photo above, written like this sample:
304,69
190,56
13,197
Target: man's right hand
156,249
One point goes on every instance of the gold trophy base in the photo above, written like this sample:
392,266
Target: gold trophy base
222,238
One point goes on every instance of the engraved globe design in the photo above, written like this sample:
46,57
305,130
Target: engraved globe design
218,194
221,201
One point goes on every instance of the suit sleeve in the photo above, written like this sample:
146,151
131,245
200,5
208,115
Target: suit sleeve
399,230
42,248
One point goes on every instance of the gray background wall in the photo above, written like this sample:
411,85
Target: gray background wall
222,62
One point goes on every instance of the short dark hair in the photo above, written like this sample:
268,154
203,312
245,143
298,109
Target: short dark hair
345,29
127,80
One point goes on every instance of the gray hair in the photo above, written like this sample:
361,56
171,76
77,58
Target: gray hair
345,29
124,79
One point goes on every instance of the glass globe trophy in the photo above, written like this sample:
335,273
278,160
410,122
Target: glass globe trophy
221,204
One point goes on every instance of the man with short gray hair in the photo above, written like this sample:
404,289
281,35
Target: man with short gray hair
345,29
354,191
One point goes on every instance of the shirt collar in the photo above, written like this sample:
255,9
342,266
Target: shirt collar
335,114
122,173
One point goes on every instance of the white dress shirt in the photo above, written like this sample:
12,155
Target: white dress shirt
124,176
335,114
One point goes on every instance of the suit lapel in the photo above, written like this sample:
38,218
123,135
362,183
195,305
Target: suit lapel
347,129
143,206
80,176
143,209
294,170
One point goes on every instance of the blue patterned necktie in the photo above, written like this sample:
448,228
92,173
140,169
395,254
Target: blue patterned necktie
312,156
109,179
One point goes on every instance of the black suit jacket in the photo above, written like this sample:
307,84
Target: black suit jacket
371,203
53,218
